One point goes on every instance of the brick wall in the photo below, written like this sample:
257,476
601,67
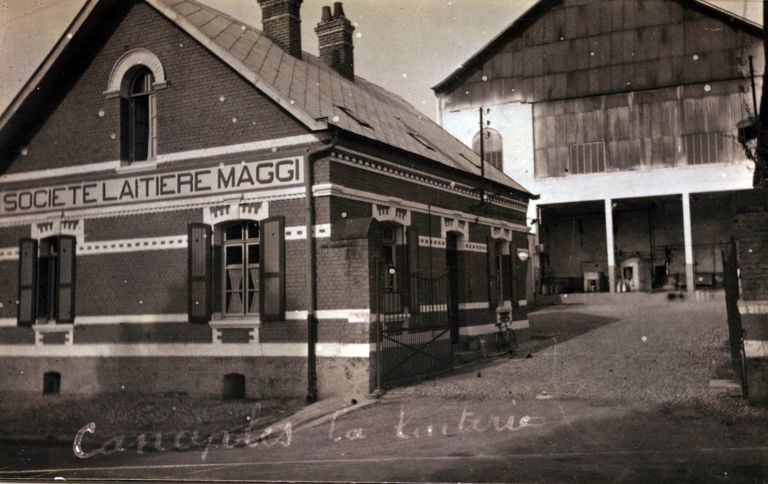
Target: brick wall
368,181
752,230
9,288
343,274
148,282
141,225
194,74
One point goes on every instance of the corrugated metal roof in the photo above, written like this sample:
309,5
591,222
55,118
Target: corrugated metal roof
309,88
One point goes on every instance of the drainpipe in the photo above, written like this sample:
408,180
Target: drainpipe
311,156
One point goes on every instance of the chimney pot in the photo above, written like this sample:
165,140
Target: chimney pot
338,10
334,34
326,14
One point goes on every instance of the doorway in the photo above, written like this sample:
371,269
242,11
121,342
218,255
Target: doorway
452,263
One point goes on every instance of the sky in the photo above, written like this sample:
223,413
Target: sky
405,46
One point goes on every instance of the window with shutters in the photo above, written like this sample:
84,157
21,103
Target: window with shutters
47,281
491,146
247,260
241,263
138,116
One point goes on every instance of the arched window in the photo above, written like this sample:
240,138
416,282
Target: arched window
492,147
240,268
138,115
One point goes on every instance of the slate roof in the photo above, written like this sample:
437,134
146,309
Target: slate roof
316,93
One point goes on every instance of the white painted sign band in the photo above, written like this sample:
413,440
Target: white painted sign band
254,175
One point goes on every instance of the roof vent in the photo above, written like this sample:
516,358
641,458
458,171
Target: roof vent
281,22
334,34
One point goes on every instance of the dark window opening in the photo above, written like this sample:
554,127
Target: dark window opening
51,383
390,255
499,266
138,117
47,276
491,146
234,386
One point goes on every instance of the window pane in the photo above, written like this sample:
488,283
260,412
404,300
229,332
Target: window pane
140,127
234,232
234,255
142,83
253,254
253,230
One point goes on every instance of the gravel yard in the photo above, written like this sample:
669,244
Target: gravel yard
660,354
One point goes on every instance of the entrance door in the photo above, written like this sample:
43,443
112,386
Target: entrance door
452,261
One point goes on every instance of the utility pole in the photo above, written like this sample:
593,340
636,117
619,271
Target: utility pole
482,158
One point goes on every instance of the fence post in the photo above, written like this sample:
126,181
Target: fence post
377,288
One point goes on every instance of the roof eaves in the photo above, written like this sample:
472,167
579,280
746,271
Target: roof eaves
309,121
49,60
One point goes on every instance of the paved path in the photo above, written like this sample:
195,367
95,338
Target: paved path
600,404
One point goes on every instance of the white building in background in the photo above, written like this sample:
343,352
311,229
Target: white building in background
622,116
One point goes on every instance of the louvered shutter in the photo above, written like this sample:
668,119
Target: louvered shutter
493,290
199,273
65,282
412,272
272,246
26,310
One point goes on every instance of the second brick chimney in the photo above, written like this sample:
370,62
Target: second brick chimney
334,34
281,22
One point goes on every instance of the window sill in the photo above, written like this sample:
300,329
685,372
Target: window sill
137,166
52,327
251,322
218,328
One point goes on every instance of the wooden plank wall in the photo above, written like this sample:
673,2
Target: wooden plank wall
631,73
640,129
593,47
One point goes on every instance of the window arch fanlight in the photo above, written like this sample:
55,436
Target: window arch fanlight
135,79
492,147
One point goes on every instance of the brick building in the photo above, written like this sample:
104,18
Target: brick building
189,204
623,115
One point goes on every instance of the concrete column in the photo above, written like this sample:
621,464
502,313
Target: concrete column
609,245
689,283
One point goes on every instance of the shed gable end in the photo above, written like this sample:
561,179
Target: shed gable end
583,48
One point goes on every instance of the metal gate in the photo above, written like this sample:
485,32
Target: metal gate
413,337
735,331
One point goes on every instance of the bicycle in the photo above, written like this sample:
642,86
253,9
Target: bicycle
505,338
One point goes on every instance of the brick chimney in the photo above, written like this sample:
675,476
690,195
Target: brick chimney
334,34
281,22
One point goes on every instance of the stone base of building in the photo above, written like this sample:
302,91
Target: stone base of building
264,377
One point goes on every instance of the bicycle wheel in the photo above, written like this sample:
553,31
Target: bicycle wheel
511,339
